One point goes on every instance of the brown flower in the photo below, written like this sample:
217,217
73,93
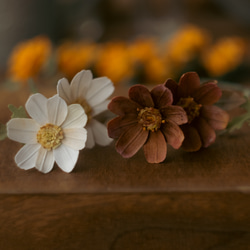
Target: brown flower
203,118
146,119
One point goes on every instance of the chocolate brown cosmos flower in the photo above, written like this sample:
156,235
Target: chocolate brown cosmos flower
203,117
146,119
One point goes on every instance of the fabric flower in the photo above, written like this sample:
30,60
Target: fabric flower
203,117
91,94
146,119
53,133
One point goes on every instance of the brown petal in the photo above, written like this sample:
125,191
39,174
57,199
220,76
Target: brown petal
141,95
155,149
175,113
188,83
172,85
207,94
192,140
121,105
162,96
173,134
205,131
131,141
119,124
216,117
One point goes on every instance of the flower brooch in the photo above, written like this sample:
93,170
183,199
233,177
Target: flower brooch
181,115
54,133
62,125
148,119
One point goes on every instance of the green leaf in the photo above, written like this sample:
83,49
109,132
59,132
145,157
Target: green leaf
17,112
237,122
246,105
32,86
3,132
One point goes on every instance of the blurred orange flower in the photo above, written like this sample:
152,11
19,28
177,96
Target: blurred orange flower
142,49
185,44
114,62
72,57
224,56
157,69
28,58
146,55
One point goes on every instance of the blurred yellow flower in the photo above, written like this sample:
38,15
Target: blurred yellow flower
157,70
114,62
28,58
142,49
72,57
185,44
224,56
147,57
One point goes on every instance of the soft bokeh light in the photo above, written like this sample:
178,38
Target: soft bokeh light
114,62
224,56
28,58
72,57
112,38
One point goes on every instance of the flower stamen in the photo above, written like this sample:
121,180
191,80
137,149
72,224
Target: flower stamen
87,108
150,118
50,136
191,107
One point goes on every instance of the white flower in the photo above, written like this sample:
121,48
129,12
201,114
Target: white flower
53,133
92,94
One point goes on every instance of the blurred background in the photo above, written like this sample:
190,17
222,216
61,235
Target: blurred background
135,41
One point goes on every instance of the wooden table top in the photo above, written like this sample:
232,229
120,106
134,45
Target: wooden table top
191,201
225,165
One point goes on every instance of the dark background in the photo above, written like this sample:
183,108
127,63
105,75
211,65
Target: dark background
103,20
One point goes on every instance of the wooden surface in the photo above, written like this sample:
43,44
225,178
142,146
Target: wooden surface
191,201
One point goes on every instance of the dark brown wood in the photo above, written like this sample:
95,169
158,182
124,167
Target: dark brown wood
149,220
191,201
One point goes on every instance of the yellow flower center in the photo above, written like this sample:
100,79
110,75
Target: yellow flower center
150,118
191,107
86,107
50,136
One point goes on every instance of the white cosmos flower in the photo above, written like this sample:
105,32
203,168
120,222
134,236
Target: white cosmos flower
53,133
92,94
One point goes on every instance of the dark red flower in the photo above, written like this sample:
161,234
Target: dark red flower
203,117
146,119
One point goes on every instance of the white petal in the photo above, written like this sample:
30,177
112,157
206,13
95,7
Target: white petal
27,155
100,108
76,117
99,90
64,91
100,133
45,160
75,138
23,130
66,157
80,84
57,110
90,143
36,107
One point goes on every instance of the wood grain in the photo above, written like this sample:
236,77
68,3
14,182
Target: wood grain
224,166
125,221
191,201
